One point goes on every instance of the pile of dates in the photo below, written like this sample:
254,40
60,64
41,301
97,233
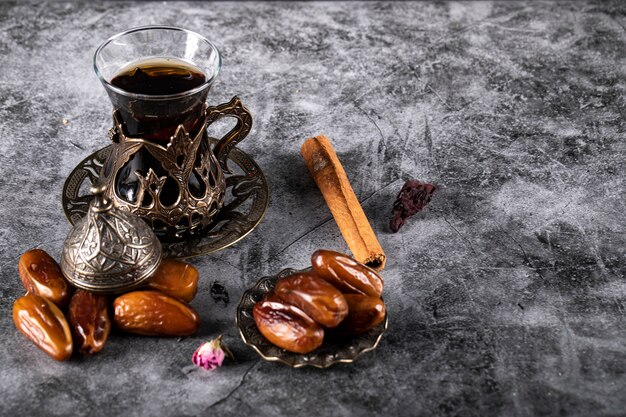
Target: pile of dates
339,296
60,319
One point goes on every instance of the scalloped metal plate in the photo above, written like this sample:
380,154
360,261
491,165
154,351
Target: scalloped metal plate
247,198
331,351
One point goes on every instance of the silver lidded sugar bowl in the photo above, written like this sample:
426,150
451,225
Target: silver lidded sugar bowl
109,250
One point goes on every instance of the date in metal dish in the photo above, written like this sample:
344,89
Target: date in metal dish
331,352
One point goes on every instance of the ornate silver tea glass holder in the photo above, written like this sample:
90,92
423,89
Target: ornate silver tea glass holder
245,202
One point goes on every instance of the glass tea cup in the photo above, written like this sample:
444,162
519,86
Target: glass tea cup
162,166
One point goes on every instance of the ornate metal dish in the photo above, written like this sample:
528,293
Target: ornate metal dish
331,351
247,197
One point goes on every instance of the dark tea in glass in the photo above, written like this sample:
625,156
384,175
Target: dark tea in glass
158,119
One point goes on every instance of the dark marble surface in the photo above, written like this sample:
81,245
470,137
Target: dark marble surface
506,297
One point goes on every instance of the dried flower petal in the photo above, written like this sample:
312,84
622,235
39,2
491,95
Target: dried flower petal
413,197
210,355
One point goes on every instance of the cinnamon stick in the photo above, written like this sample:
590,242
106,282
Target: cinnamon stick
330,177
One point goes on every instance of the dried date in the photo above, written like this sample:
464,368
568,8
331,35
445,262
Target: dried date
89,321
348,275
316,297
42,276
365,313
151,313
41,321
175,278
287,326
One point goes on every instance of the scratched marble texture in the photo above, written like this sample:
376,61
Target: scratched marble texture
506,297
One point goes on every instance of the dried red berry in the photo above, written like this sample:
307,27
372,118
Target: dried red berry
413,197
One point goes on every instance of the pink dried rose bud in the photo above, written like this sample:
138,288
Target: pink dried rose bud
211,354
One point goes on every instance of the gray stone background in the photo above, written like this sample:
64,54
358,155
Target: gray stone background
506,297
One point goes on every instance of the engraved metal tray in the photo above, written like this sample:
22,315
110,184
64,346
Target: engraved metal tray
247,197
331,351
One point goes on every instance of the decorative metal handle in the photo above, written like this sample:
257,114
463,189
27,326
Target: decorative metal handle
234,108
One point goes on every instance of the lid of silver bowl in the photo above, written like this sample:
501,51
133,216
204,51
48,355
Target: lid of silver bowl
109,250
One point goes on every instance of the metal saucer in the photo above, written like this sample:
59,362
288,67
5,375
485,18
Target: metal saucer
247,198
331,351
